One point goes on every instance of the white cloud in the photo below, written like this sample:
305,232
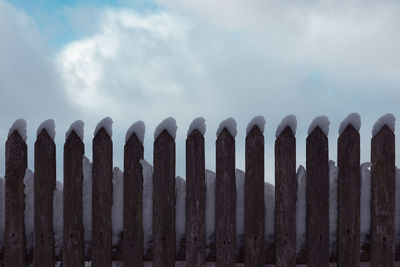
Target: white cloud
313,60
132,59
347,38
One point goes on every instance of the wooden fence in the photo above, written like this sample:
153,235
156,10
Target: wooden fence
380,252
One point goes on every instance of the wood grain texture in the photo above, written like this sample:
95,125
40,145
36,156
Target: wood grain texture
285,199
14,236
195,200
73,249
44,185
254,198
382,197
349,184
317,199
133,203
102,198
225,200
164,201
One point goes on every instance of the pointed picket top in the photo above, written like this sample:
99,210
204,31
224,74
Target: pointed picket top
102,133
49,127
167,125
352,119
225,134
228,125
383,133
388,120
133,139
44,135
163,136
288,121
195,134
73,136
138,129
19,126
287,132
15,137
349,130
77,127
105,124
321,122
258,121
317,131
198,124
255,131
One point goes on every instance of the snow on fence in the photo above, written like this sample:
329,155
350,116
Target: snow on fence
324,213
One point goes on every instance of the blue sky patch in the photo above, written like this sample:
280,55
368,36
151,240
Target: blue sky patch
53,17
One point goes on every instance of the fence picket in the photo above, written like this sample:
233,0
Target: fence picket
225,200
317,198
195,200
133,203
14,236
285,199
349,183
254,198
44,185
102,199
164,201
382,197
73,223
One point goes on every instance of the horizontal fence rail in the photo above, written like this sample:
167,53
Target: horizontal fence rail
147,214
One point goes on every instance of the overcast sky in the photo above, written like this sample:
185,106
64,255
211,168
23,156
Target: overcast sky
144,60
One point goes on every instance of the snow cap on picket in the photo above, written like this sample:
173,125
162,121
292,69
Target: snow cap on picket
229,124
49,126
20,126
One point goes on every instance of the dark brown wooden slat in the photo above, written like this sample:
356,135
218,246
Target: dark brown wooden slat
269,257
254,198
349,184
382,197
44,185
285,199
225,200
73,250
164,201
133,203
102,199
317,198
14,236
195,200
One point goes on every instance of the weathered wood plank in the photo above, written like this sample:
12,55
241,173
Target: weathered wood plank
14,236
254,198
73,250
382,197
225,200
164,201
285,199
102,199
133,203
44,185
317,198
195,200
349,184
